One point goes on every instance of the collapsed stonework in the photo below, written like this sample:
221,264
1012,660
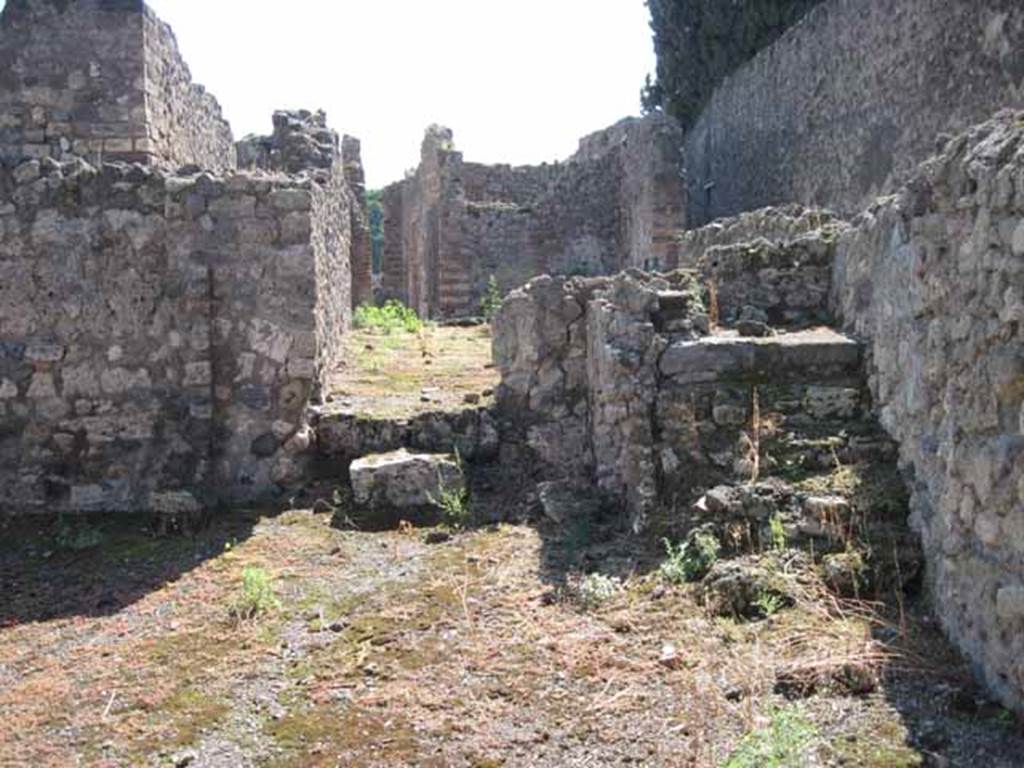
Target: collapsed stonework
452,224
626,383
162,331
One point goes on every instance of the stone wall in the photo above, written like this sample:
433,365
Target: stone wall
779,225
845,104
302,143
184,121
451,225
161,335
103,80
934,277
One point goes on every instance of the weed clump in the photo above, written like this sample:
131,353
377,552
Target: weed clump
257,595
785,742
691,560
391,317
592,590
490,303
453,500
77,535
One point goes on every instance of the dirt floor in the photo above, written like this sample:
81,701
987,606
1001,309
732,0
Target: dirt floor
118,648
401,374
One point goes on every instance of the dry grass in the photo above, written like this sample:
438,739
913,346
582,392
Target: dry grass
401,374
389,652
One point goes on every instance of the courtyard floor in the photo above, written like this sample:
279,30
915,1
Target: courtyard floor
399,374
118,648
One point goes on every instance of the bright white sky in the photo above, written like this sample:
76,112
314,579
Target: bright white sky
519,81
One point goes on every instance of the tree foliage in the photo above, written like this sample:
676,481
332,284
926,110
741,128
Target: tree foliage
701,42
376,214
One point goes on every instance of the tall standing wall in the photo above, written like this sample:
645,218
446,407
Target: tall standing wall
103,80
844,105
934,278
162,336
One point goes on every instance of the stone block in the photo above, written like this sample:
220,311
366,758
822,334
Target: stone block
291,199
1010,603
389,487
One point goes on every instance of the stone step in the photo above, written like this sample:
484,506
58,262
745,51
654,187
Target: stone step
819,354
388,488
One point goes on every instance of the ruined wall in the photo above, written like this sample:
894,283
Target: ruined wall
617,201
778,225
102,79
394,274
161,335
849,100
184,122
362,249
303,144
934,277
510,185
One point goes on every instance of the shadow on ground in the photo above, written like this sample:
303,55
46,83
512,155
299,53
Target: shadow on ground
96,566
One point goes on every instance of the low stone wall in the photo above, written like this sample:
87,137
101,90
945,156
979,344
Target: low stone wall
342,437
934,277
540,349
778,283
161,336
776,225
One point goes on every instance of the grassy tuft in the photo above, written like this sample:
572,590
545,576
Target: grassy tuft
691,560
784,743
257,596
393,316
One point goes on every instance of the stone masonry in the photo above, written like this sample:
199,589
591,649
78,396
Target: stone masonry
849,100
625,383
102,80
934,278
162,332
450,226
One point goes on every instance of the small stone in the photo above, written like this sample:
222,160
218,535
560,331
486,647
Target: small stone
734,694
670,658
753,328
185,758
1010,603
471,398
337,626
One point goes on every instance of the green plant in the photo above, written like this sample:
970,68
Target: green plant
784,743
375,211
392,316
690,560
769,603
453,500
593,589
77,535
777,531
257,596
491,301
